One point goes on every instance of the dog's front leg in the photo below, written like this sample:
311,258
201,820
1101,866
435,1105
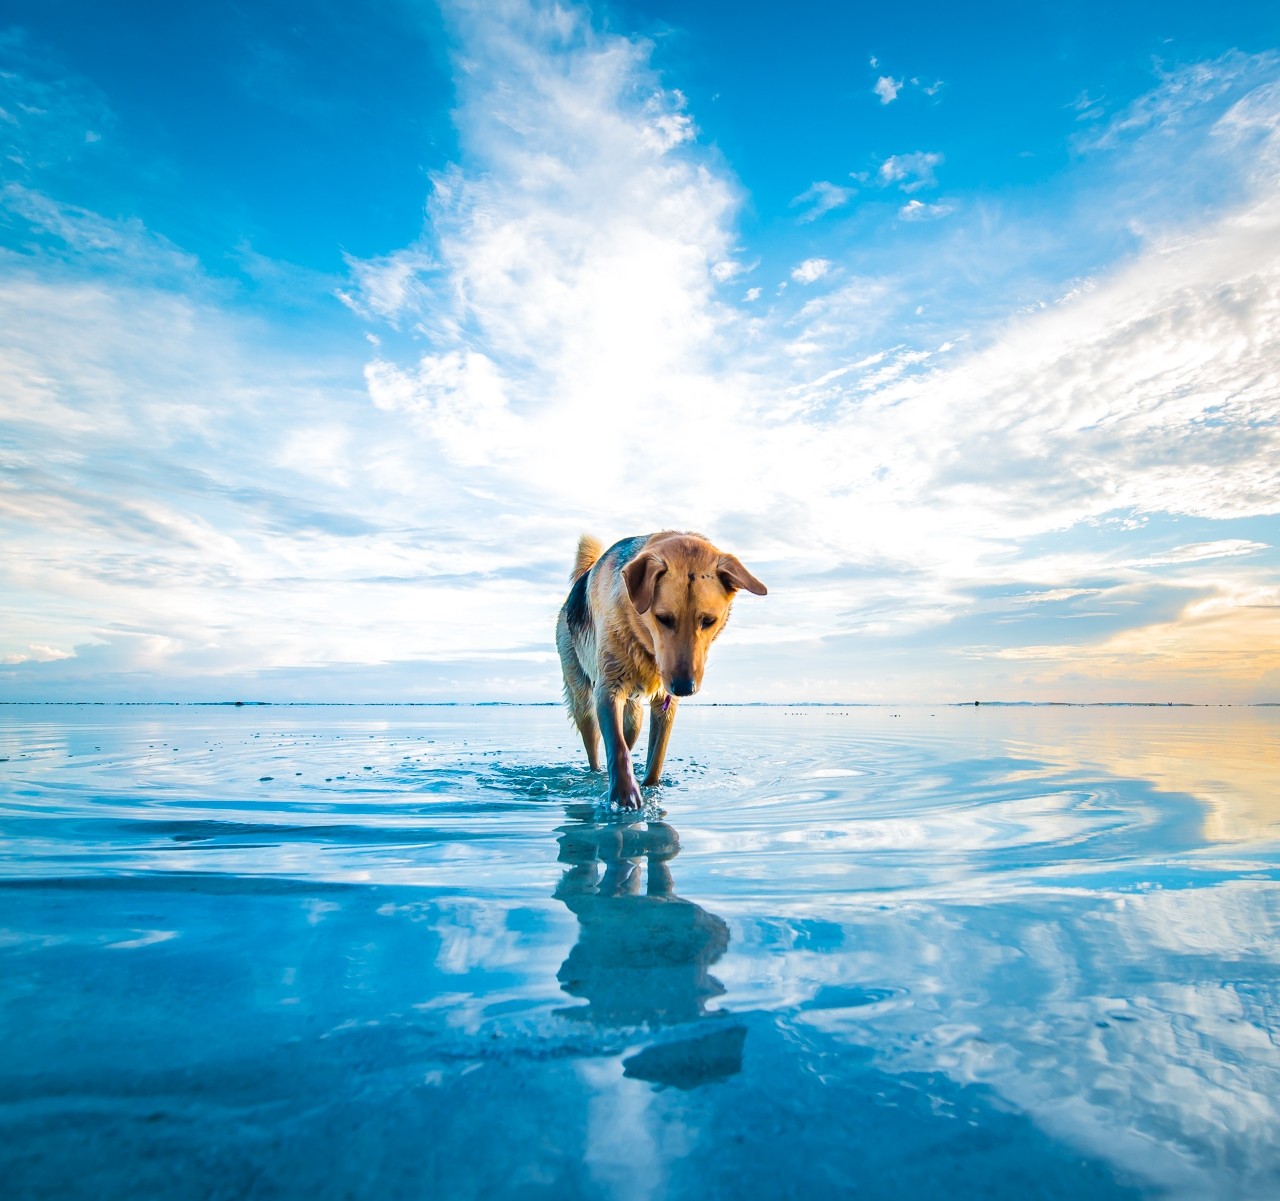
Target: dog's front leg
623,790
662,716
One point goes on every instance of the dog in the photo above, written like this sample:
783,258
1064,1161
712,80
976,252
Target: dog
637,625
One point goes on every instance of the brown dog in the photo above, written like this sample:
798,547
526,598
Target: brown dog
637,625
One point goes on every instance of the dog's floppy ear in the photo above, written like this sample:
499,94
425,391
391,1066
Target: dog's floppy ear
734,576
641,577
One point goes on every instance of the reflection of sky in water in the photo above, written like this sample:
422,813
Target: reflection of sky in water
1003,953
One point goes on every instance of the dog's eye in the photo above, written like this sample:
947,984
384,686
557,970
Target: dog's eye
665,619
707,622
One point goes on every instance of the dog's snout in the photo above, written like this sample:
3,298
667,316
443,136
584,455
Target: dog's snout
682,685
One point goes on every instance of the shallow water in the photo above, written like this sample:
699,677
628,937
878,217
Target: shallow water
401,952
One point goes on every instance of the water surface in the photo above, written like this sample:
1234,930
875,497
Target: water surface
402,952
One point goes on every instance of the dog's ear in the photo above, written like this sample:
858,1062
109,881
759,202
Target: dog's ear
734,576
641,577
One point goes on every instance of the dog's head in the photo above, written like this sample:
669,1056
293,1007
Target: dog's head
682,587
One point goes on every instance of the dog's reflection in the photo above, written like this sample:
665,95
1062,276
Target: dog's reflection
643,955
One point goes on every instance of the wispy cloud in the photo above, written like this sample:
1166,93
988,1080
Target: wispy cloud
917,210
71,231
821,198
48,116
1199,552
911,172
388,286
1184,96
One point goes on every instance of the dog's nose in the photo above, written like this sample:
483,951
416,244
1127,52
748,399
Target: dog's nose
682,685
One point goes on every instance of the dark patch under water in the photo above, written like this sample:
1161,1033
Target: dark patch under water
998,954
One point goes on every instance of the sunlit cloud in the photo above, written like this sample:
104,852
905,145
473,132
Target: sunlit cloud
35,653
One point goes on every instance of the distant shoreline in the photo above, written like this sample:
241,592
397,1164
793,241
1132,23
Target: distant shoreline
706,704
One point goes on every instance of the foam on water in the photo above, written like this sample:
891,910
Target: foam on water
404,952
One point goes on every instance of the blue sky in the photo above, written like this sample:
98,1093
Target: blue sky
325,329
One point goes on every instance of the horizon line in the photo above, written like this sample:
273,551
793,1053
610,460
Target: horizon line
256,704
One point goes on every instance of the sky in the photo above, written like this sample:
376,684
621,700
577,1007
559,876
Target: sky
326,329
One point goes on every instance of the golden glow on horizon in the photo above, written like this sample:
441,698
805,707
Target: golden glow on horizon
1235,639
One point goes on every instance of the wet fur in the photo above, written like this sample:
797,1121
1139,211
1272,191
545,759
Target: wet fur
616,653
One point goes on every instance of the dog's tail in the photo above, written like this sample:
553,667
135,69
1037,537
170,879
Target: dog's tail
589,550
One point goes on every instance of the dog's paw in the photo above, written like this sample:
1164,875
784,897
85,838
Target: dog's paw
625,794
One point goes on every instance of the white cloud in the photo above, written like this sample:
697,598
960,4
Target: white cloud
460,400
668,124
821,198
388,286
887,88
578,253
810,271
911,172
752,295
917,210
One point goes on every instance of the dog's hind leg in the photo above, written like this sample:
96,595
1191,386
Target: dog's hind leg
590,732
577,692
632,716
584,717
